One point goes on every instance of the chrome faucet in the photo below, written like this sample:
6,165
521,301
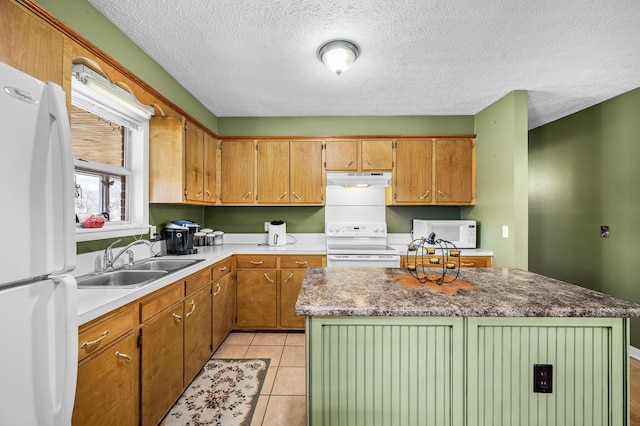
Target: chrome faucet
110,259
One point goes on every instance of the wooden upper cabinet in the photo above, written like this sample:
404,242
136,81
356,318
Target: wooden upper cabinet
377,154
273,172
454,163
194,162
341,155
305,172
210,165
289,172
412,180
182,162
237,164
30,45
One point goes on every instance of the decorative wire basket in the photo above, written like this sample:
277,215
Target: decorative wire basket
422,251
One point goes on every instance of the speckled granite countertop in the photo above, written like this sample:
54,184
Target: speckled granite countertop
502,293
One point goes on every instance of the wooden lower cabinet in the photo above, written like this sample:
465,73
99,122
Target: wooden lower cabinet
161,364
464,261
224,309
268,288
257,298
197,332
106,391
291,282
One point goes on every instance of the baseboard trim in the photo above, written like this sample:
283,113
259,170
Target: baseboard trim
634,352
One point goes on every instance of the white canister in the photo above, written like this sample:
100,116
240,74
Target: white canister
210,239
217,238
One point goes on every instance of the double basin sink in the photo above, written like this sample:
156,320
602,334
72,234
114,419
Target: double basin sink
136,275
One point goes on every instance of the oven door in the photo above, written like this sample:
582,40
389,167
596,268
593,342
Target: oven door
363,260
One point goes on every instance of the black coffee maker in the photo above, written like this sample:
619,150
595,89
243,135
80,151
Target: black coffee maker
179,237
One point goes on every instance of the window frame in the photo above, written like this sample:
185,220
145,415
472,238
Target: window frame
124,109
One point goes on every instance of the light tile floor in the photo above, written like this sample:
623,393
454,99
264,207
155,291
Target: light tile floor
282,399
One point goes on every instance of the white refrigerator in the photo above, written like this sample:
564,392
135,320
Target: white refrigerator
38,309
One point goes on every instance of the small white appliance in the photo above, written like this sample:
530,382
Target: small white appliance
461,233
38,301
277,233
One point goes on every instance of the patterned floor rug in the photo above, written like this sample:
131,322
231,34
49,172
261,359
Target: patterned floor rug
224,393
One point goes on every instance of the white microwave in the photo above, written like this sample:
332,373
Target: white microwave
461,233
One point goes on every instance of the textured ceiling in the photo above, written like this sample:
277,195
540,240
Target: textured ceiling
257,58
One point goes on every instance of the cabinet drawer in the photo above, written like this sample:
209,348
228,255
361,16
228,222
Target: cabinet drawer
249,262
220,269
475,261
300,261
160,300
198,280
104,331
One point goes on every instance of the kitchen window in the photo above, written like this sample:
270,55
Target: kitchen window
110,139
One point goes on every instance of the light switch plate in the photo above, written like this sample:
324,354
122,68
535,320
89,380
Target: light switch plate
505,231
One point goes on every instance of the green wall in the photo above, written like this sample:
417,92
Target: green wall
357,125
91,24
583,173
501,180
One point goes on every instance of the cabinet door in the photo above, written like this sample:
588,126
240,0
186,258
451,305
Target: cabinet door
194,146
306,172
166,162
197,332
237,172
273,172
162,364
106,392
29,45
256,298
412,180
224,309
454,171
377,154
289,290
341,155
210,169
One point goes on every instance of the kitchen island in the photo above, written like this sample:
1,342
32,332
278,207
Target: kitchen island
379,353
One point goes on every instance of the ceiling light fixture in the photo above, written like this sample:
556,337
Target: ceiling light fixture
338,55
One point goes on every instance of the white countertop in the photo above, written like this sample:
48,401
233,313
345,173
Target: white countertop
93,303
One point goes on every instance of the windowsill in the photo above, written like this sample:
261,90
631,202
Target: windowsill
110,231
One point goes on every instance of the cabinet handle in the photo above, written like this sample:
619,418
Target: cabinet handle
301,262
224,268
423,196
126,357
103,336
199,193
268,279
208,193
178,318
368,162
442,193
297,196
193,308
288,278
246,195
282,196
466,264
349,163
218,289
256,262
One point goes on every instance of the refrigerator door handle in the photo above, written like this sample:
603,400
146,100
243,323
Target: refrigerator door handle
65,399
61,148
